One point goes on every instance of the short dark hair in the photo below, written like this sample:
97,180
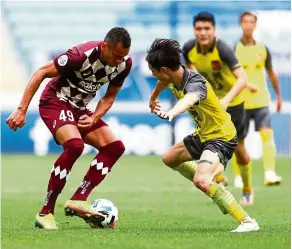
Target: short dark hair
118,34
204,16
248,13
164,53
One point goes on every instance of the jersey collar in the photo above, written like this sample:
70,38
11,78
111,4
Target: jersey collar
184,79
244,44
199,51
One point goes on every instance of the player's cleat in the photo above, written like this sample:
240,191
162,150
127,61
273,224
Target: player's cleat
83,210
247,199
271,178
247,225
46,221
238,182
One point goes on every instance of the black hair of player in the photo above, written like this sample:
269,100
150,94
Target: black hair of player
118,35
248,13
164,53
204,16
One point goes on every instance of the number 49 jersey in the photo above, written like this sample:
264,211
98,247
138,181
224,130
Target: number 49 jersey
215,66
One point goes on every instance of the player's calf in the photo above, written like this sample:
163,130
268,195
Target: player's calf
208,167
61,172
244,163
100,166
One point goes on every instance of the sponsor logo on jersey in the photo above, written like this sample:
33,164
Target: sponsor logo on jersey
216,65
260,57
89,86
62,60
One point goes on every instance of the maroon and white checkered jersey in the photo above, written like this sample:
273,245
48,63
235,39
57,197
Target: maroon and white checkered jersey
81,74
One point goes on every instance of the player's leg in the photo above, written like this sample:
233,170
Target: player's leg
211,163
59,118
263,125
237,176
179,159
110,150
243,160
237,179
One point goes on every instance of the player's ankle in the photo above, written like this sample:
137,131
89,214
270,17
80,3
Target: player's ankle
43,213
247,189
73,198
247,219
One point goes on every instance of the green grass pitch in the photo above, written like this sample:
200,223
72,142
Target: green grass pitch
158,208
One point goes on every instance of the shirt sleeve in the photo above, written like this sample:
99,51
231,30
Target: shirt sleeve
119,80
187,48
197,84
69,61
228,55
268,62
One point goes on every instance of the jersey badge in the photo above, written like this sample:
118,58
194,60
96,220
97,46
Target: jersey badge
216,65
62,60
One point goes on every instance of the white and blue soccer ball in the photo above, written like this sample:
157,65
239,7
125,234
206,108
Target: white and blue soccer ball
109,211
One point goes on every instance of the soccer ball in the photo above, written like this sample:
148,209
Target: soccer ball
110,212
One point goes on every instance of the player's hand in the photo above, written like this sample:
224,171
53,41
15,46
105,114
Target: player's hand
16,119
279,104
154,105
164,115
252,88
224,103
85,121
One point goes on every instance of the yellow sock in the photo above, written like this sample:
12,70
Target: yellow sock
219,178
269,149
245,171
235,166
225,201
187,169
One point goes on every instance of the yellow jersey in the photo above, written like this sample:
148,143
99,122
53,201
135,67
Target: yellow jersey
215,66
255,59
212,121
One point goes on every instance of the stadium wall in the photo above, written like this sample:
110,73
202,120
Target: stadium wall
142,132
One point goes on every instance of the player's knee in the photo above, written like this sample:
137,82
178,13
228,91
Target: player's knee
267,135
201,182
119,148
115,149
242,156
74,146
243,159
166,159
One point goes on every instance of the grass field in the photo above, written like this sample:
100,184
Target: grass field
158,208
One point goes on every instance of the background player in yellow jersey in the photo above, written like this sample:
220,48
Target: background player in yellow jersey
215,139
256,58
216,61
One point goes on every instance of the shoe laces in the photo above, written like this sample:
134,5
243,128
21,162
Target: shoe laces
246,221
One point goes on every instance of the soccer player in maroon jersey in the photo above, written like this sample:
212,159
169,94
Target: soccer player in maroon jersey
76,76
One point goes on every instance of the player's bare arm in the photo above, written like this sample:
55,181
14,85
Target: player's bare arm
181,106
275,82
239,85
17,118
153,102
104,104
252,88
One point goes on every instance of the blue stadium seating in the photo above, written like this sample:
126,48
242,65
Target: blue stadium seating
53,26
